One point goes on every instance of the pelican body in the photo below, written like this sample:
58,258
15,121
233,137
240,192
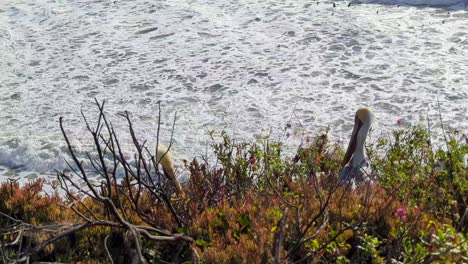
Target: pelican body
164,157
355,161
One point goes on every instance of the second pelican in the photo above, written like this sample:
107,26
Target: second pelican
164,157
355,161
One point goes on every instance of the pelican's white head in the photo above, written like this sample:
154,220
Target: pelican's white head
164,157
362,123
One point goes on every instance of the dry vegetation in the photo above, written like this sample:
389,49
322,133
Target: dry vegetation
255,207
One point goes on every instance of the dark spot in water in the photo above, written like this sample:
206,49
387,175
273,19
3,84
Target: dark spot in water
92,94
370,55
455,39
13,121
12,143
129,53
261,74
367,79
453,50
159,61
189,86
141,87
350,75
287,69
190,99
15,96
352,43
252,81
254,112
375,87
206,35
162,36
291,33
34,63
349,88
383,67
18,167
202,75
144,101
110,81
309,40
44,155
454,97
430,72
315,73
257,19
336,85
336,47
215,88
80,78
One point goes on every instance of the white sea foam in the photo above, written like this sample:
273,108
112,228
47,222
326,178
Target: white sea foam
432,3
239,65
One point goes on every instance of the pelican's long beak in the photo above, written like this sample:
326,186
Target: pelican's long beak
352,143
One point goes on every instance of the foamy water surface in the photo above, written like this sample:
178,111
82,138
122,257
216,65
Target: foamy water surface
237,65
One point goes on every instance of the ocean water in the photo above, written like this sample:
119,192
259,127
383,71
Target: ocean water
240,65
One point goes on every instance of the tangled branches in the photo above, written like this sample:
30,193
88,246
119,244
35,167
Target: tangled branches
124,201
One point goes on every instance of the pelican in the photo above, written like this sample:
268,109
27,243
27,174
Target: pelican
355,161
164,157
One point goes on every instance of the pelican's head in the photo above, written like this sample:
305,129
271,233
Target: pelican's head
362,123
164,157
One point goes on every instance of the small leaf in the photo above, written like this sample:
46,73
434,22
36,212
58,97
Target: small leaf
273,229
202,243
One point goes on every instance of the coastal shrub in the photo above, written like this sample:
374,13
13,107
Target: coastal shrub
421,176
258,205
29,204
